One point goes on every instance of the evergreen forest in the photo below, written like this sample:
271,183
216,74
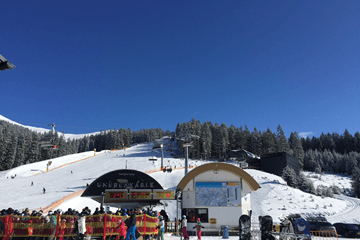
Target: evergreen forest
330,152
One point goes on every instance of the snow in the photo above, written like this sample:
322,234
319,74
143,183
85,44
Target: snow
69,174
44,130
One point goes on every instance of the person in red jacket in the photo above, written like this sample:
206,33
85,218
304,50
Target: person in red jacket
9,225
198,227
62,229
121,230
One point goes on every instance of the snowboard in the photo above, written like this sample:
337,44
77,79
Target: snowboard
266,224
244,227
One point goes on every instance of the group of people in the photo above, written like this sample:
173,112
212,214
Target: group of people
126,226
198,228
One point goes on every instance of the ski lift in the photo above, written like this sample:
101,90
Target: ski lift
47,143
153,159
157,145
167,169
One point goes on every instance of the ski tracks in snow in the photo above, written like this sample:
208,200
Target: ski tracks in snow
352,209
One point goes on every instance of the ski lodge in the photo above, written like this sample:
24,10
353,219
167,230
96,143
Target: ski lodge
218,194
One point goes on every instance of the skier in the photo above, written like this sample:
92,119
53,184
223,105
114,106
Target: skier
198,227
44,190
184,227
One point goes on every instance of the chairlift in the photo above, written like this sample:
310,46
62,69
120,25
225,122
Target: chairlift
47,143
167,169
153,159
157,145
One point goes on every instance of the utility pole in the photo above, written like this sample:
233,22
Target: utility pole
186,145
162,157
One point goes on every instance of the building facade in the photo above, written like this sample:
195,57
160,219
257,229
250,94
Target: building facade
218,194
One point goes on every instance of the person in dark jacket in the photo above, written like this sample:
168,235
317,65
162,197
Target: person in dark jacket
131,225
166,218
96,212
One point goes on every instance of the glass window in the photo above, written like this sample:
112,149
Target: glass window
202,213
193,213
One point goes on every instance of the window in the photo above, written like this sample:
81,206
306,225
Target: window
202,213
193,213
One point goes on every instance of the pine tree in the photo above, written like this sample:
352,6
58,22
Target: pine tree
355,184
268,142
328,142
350,163
282,143
33,155
296,146
357,142
205,141
256,144
348,141
245,138
20,151
232,138
289,176
224,133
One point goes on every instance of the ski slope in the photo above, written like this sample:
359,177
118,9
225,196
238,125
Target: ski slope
69,174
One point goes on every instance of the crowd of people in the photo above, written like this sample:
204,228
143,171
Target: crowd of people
126,226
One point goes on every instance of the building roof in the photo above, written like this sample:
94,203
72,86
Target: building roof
219,166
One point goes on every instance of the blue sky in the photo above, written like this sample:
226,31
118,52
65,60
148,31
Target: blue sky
89,66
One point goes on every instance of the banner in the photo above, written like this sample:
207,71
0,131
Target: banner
101,225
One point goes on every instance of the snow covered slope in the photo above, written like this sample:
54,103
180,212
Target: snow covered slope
44,130
274,198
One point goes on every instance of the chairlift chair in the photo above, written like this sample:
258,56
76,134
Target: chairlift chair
153,159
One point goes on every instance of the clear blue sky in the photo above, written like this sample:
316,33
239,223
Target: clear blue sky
144,64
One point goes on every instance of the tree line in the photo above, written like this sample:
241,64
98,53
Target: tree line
20,146
332,153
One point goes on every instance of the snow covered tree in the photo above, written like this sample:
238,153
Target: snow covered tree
328,142
20,151
220,140
305,184
355,183
205,140
289,176
232,138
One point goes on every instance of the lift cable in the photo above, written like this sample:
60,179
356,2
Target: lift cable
41,124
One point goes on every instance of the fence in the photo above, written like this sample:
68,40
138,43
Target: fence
101,225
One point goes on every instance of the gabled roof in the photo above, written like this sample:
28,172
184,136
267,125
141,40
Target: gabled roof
219,166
